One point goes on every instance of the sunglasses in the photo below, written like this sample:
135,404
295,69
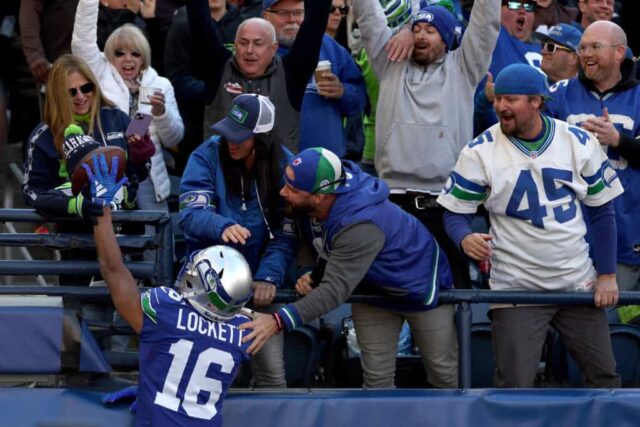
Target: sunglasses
516,5
85,88
552,47
120,53
342,9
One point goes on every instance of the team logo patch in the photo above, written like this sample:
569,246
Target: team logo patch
238,115
296,161
233,88
194,199
324,183
424,16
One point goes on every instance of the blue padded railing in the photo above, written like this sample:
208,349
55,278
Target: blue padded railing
160,271
463,297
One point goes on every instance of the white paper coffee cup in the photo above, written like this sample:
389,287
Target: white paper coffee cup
322,68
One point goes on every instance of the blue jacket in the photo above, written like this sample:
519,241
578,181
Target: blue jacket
575,101
321,118
207,209
411,262
46,175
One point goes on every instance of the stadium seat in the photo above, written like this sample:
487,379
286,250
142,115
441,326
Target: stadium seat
483,361
301,355
625,341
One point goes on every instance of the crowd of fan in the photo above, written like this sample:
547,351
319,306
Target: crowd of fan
408,86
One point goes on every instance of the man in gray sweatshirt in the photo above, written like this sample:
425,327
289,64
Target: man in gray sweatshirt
426,115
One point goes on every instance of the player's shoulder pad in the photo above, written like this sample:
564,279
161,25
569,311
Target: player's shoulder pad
152,300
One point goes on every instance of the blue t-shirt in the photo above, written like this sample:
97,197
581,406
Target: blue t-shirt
187,362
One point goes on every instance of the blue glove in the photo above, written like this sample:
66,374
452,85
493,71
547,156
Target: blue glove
103,183
124,395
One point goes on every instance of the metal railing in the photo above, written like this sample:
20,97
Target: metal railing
160,271
455,296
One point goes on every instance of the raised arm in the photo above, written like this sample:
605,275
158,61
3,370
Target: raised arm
480,39
374,32
84,41
208,45
122,286
302,59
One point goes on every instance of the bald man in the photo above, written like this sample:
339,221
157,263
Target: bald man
605,100
255,67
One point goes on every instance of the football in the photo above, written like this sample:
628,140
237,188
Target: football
79,175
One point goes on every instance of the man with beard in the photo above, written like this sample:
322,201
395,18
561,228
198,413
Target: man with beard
369,243
514,45
605,100
425,111
327,101
531,172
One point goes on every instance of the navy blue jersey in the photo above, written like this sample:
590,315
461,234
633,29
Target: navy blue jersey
573,102
187,362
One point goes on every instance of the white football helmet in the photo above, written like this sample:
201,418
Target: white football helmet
216,281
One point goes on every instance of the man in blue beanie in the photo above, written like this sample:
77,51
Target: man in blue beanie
533,173
425,112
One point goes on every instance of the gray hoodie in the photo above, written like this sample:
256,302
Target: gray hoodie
425,114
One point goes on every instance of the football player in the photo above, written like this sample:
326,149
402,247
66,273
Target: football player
190,344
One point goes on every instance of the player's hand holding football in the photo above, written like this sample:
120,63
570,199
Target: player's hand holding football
605,291
103,182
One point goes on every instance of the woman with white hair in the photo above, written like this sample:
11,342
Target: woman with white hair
122,70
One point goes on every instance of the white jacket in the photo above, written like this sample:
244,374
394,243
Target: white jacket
166,130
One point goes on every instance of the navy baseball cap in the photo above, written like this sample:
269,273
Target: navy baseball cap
250,114
563,34
520,79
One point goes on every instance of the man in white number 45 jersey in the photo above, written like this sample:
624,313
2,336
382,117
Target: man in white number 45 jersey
531,172
190,344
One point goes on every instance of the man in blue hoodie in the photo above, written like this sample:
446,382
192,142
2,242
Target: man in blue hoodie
369,243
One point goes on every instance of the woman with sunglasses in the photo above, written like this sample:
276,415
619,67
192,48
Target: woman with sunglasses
123,69
73,96
339,10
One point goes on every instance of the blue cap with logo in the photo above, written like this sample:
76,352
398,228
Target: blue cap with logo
249,114
316,170
442,19
563,34
520,79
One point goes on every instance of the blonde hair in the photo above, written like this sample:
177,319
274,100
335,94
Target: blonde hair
58,110
128,37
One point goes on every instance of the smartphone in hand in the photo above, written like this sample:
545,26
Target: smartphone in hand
139,124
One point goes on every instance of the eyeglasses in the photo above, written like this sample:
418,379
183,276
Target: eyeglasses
552,47
516,5
593,48
119,53
85,88
297,13
342,9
